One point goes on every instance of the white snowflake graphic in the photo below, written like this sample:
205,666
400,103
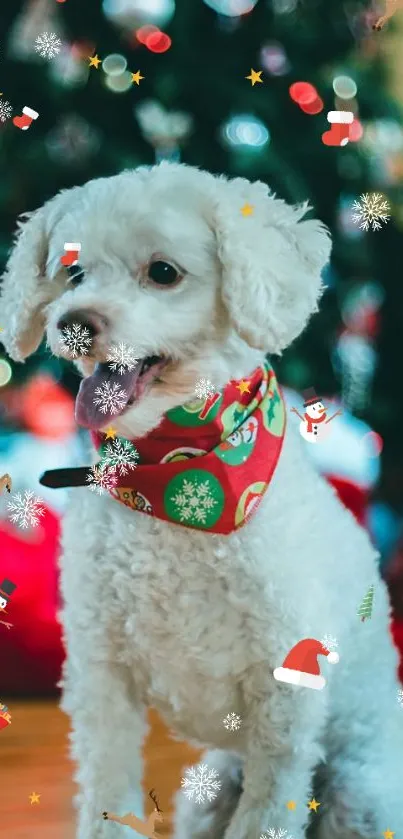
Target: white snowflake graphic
329,642
204,388
5,110
232,722
121,358
400,697
371,211
200,783
120,456
101,480
25,509
48,44
111,398
75,340
272,833
193,501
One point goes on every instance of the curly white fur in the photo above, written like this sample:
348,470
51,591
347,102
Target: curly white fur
187,621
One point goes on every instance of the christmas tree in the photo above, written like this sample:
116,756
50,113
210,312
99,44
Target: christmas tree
172,82
365,610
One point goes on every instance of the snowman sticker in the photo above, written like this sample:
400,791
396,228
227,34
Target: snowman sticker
314,425
6,590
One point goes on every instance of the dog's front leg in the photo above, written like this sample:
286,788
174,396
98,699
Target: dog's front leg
283,734
107,733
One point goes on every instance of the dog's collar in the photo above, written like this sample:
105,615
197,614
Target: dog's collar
208,463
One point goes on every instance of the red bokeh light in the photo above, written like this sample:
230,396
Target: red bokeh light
356,131
81,49
46,408
311,108
158,42
145,31
303,93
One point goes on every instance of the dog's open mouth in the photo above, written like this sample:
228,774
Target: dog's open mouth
105,395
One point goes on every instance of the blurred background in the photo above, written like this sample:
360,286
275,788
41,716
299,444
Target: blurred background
172,84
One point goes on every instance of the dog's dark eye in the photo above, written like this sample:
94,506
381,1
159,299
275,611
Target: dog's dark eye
162,273
76,274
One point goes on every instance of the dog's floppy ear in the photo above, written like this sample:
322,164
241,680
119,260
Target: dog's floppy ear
22,294
271,262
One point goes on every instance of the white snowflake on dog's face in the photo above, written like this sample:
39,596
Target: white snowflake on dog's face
110,398
121,358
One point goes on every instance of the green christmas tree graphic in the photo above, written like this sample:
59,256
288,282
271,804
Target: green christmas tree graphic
365,610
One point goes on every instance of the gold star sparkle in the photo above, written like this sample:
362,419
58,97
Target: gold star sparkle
291,805
34,798
388,834
94,61
136,77
313,805
247,209
255,76
110,433
243,387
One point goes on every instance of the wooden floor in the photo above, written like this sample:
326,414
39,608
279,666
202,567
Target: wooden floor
34,758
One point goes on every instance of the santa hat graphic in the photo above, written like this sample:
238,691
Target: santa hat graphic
300,666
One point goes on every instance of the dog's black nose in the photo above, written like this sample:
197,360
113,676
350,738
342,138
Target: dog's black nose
82,318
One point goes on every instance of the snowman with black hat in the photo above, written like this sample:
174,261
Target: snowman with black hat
7,588
314,424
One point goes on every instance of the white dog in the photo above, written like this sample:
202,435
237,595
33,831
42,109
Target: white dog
189,621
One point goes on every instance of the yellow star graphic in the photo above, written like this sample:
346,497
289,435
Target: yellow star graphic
34,798
313,805
255,76
291,805
136,77
110,433
1,328
94,61
389,834
243,386
247,209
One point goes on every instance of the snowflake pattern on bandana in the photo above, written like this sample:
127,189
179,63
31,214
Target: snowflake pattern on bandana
195,498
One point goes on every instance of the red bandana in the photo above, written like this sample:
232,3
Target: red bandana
311,422
209,462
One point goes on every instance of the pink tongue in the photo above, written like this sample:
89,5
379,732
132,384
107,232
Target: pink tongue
113,401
